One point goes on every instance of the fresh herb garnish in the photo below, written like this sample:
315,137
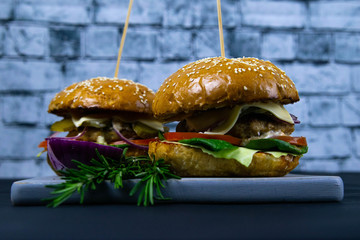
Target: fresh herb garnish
87,177
161,136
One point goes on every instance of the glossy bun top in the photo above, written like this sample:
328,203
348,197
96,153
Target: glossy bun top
219,82
102,94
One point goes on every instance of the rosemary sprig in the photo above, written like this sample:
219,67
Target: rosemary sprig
151,175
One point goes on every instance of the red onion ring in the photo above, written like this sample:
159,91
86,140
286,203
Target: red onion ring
54,134
62,151
56,164
79,135
75,137
128,141
295,119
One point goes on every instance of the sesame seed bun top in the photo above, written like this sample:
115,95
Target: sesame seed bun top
99,95
220,82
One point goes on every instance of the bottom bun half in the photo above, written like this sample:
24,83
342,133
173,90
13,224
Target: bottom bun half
192,162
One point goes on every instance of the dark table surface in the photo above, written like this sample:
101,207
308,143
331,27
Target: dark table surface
327,220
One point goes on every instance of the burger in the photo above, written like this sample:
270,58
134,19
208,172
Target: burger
103,114
231,120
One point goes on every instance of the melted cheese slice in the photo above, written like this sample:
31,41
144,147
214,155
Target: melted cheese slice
277,110
100,122
229,122
92,121
153,124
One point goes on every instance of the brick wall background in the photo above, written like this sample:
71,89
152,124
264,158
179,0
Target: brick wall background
46,45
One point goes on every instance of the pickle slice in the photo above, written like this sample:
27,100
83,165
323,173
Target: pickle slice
64,125
144,131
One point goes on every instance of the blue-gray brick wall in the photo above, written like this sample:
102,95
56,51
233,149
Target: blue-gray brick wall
48,45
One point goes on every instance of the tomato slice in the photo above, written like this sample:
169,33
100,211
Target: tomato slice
299,141
43,144
136,141
176,136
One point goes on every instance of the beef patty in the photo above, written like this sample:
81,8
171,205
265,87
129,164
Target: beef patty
108,133
252,125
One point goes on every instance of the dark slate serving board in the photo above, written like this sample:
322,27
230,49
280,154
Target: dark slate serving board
291,188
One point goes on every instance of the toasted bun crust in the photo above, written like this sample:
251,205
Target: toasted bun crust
103,94
218,82
191,162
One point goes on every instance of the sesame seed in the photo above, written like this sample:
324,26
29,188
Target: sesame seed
245,88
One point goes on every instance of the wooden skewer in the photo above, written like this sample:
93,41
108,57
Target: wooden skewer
220,28
123,39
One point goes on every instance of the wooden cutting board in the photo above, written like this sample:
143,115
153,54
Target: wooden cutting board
291,188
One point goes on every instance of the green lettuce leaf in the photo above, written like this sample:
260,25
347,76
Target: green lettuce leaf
275,145
209,144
